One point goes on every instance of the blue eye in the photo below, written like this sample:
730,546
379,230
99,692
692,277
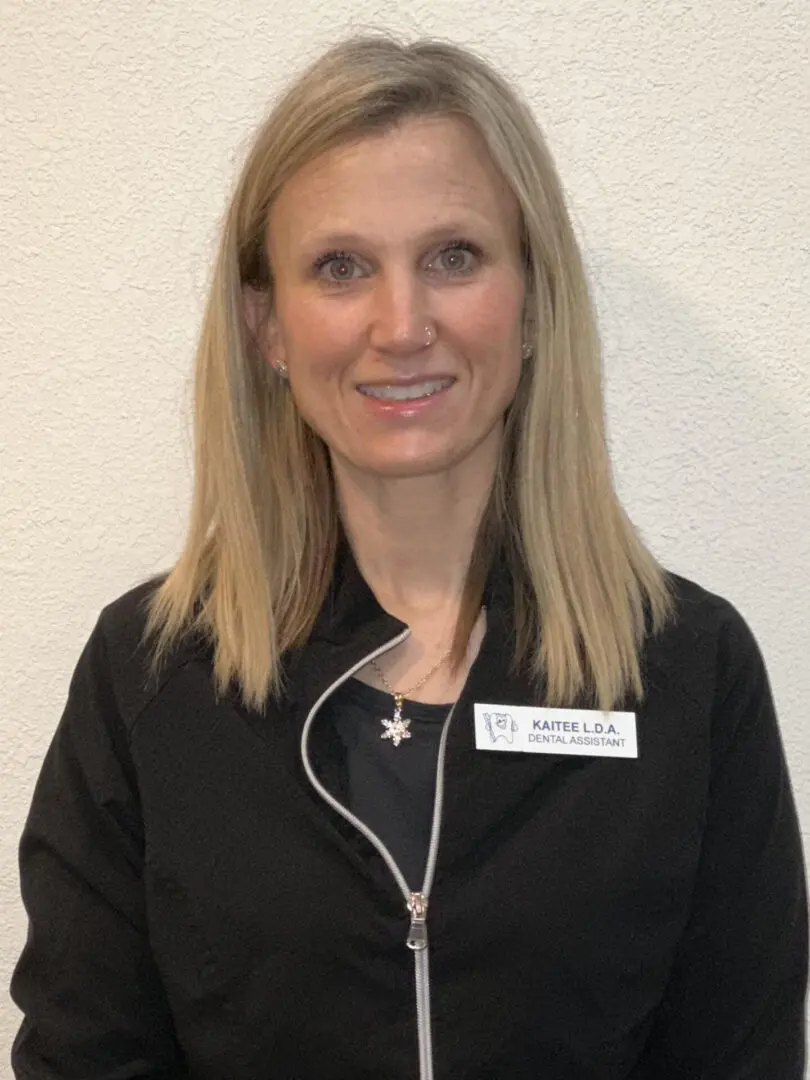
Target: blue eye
459,258
339,264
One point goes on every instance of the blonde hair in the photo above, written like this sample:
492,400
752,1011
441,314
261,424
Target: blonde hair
264,527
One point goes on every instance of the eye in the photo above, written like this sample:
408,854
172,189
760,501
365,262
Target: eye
458,258
335,267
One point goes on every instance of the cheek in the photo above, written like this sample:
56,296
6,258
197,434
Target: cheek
494,310
318,336
491,324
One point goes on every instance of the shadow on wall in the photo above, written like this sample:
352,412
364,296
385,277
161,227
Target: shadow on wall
710,438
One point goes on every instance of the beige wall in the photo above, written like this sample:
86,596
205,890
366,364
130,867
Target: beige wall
682,132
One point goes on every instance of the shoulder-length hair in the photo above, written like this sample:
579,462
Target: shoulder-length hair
264,526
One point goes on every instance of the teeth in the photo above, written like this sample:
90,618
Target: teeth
405,393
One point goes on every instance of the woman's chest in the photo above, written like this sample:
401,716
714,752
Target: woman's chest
566,876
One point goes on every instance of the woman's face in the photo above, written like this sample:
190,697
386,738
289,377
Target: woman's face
399,298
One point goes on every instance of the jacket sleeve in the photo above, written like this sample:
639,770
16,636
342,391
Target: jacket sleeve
91,996
734,1007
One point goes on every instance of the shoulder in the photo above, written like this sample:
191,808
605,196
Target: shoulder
123,655
122,620
707,646
703,616
700,613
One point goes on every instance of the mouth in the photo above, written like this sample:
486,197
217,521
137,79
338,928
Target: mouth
410,392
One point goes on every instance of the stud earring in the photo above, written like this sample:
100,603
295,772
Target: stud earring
281,368
527,350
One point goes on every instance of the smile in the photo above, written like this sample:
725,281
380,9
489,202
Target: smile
406,393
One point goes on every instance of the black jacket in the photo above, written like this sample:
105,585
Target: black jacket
197,910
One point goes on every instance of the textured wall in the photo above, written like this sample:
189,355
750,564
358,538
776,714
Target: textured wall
682,133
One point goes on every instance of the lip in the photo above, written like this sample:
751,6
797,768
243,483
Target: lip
408,408
407,380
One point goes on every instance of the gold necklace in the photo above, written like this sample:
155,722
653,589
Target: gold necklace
397,728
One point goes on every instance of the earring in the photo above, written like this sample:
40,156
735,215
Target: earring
527,350
430,336
281,368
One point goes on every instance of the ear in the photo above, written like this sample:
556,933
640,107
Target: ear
262,325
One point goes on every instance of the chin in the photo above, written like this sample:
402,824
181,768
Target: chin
429,455
412,465
406,470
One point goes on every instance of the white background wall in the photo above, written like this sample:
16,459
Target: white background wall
682,131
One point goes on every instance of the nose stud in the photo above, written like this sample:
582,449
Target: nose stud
430,335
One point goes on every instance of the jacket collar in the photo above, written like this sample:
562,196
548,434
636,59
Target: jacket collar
352,623
350,606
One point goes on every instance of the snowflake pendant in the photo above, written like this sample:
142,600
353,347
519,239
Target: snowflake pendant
397,729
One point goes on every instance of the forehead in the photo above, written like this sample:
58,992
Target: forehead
413,176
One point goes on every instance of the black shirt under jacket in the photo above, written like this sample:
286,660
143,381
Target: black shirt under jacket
390,788
197,911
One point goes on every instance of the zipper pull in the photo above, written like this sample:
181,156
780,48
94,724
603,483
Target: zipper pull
417,935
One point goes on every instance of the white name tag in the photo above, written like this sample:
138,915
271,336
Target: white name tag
528,729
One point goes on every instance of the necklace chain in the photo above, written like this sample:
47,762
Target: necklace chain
400,697
398,727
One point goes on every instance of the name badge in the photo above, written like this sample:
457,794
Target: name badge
527,729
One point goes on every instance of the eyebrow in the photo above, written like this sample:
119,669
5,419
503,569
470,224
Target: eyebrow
446,231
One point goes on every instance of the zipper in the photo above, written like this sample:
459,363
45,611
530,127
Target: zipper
416,903
418,943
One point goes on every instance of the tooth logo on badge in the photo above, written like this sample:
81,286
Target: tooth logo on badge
500,726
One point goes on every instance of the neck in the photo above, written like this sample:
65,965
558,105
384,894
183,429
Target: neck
413,537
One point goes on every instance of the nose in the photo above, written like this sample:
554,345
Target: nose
399,315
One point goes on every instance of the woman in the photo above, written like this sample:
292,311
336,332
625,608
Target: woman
414,690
